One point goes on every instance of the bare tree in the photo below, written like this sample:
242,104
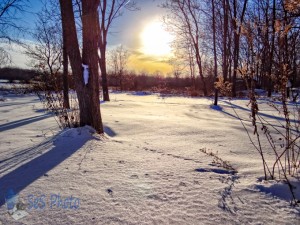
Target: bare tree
108,12
184,59
46,52
52,13
185,18
237,21
119,59
225,5
9,10
9,29
87,82
214,48
177,67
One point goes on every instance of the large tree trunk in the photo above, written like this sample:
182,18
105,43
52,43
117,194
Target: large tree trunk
90,58
88,95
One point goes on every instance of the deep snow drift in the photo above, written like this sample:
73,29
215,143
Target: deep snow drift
149,167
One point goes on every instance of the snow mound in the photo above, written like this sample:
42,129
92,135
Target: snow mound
86,131
75,136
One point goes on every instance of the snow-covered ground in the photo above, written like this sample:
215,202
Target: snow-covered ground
149,168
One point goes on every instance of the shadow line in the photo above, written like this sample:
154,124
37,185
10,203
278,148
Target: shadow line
22,122
259,113
109,131
5,104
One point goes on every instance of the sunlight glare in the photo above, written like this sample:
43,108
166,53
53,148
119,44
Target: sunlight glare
156,40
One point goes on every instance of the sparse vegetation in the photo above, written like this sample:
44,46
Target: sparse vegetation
218,161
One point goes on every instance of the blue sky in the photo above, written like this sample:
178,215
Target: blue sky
126,30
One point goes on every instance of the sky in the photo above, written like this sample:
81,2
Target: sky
141,32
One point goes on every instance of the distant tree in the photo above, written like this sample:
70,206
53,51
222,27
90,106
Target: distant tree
9,10
293,7
184,59
87,82
118,59
4,57
225,56
185,20
237,21
178,66
46,52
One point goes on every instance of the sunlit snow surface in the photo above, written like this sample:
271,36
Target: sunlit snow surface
147,169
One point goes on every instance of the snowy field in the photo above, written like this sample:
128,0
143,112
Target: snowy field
147,169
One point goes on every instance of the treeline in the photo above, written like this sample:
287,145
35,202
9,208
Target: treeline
17,74
130,81
257,39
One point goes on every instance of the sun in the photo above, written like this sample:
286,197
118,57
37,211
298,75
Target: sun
156,41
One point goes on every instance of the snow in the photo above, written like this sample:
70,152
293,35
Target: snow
85,74
278,189
149,167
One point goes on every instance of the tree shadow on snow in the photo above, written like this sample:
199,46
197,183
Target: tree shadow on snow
63,146
22,122
234,106
8,103
109,131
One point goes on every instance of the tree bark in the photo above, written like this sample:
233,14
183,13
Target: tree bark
236,43
90,58
102,36
102,63
88,95
271,57
199,64
215,50
225,30
65,76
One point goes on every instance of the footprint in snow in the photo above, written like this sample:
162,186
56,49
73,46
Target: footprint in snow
109,191
182,184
